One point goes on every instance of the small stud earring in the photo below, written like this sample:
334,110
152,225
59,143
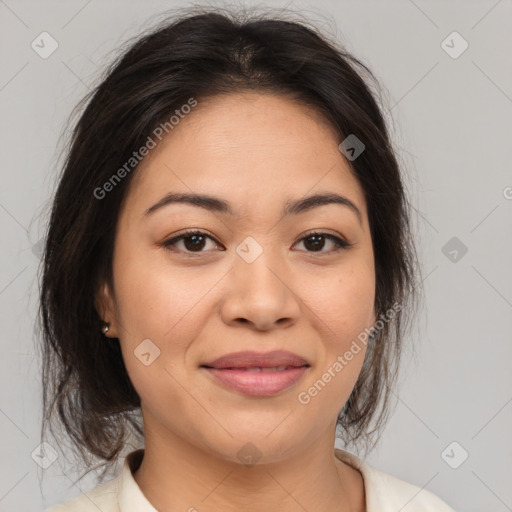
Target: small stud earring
106,327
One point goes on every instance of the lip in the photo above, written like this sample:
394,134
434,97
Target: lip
262,383
238,372
251,359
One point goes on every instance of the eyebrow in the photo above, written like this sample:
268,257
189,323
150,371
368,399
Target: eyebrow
215,204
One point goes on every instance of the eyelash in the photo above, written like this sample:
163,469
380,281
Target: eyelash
340,244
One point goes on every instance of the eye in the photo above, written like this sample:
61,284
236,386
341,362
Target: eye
194,241
316,242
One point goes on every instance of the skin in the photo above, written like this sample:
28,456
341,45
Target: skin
256,151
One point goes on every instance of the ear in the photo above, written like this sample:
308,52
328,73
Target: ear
105,306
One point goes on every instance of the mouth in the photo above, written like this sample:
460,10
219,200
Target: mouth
276,359
256,369
257,374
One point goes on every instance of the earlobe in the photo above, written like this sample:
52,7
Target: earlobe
102,301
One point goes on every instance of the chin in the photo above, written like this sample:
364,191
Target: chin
251,444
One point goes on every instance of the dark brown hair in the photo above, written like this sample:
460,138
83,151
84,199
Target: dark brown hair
200,54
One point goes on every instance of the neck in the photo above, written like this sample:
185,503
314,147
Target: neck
175,475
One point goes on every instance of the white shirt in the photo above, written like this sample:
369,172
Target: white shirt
383,492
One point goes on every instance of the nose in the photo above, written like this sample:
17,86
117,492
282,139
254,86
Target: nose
260,295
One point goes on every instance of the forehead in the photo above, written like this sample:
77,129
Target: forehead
255,150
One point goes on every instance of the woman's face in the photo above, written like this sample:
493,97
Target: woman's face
253,280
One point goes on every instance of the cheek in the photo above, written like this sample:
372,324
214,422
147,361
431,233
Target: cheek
156,313
344,309
157,300
345,303
165,305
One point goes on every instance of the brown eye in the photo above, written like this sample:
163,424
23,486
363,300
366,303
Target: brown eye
193,241
315,242
196,241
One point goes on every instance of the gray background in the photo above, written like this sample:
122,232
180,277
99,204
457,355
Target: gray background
453,126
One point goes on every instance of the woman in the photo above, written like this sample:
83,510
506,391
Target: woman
227,275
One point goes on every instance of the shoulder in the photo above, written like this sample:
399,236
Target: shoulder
404,496
104,497
385,492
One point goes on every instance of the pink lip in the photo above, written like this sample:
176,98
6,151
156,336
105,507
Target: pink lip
231,371
251,359
258,383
